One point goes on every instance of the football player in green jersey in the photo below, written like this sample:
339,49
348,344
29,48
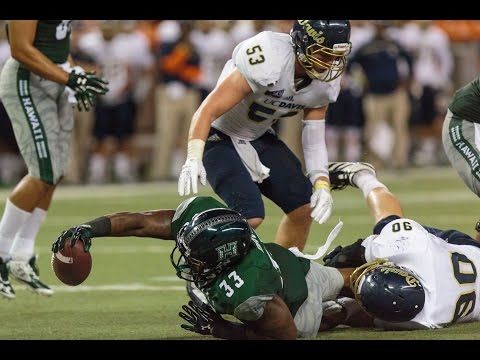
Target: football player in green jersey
461,136
276,293
33,89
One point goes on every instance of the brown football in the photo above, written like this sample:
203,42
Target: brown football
72,265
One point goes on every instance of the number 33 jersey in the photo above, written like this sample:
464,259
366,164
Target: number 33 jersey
448,272
267,270
267,62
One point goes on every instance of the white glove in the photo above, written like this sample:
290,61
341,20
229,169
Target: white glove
331,307
321,202
191,170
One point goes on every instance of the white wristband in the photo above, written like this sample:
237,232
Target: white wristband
195,149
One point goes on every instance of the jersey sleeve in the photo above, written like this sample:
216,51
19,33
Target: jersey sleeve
244,294
190,207
257,60
397,239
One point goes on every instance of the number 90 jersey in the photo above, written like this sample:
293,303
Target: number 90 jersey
448,272
267,61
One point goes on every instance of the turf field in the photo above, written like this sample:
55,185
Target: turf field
132,292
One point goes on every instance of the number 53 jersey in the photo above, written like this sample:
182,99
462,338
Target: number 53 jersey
447,271
267,62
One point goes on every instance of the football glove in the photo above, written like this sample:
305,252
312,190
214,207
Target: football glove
191,170
321,203
331,307
81,232
201,319
344,257
87,86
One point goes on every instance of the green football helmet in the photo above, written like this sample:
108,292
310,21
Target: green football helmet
213,241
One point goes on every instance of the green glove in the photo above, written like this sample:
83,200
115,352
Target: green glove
87,86
81,232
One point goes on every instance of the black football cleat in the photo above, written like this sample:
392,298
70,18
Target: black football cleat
341,173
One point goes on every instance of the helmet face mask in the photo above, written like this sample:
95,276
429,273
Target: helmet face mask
322,47
388,292
212,242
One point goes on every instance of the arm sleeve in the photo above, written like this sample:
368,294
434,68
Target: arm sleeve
314,148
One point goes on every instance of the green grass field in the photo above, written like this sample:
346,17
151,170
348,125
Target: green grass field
132,291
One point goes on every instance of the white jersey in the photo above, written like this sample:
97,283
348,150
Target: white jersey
267,61
447,272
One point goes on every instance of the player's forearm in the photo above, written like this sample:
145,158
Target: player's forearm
201,124
154,224
36,62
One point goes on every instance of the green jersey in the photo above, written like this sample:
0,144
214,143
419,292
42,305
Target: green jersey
268,269
466,102
52,39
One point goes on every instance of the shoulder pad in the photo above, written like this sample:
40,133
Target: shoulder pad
260,59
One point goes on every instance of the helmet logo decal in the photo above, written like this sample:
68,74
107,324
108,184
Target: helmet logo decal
314,34
412,282
409,279
226,251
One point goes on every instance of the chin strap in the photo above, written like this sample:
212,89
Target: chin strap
322,250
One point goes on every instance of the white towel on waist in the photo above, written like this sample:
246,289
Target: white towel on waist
250,159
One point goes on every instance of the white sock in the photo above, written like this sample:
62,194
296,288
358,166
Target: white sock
123,167
366,182
23,246
97,169
12,220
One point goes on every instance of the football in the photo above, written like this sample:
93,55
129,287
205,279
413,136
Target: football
71,264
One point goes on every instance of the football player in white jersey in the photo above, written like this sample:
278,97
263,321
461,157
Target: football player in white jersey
432,282
271,75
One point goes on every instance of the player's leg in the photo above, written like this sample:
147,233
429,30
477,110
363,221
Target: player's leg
459,139
28,126
56,121
124,165
230,179
380,200
287,187
400,104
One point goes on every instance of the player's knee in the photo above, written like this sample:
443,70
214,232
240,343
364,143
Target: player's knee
41,184
255,222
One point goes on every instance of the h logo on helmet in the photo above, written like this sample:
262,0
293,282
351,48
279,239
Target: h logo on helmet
226,251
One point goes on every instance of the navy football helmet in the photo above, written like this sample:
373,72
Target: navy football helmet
322,47
211,242
388,292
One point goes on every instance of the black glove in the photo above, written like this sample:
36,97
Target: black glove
81,232
87,87
202,320
345,257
